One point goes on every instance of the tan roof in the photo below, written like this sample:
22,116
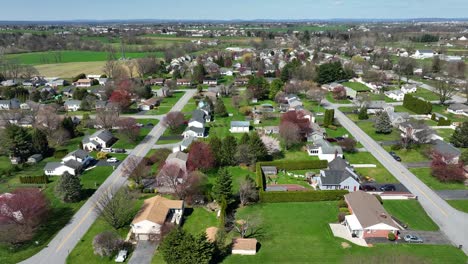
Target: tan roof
368,209
244,244
155,209
178,155
84,81
211,233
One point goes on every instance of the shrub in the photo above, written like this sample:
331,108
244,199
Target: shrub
444,122
433,116
102,155
342,204
341,217
59,154
245,110
106,244
363,114
34,179
344,210
306,196
417,105
396,147
391,236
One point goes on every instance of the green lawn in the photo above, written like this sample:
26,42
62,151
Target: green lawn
338,132
368,128
190,106
424,174
330,98
299,233
35,58
379,174
356,86
125,143
401,108
410,155
238,173
461,205
166,104
426,94
198,219
411,213
446,134
442,109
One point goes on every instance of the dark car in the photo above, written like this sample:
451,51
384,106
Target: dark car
368,188
395,156
388,188
338,139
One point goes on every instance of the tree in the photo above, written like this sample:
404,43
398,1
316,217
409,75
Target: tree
180,247
382,123
16,141
436,64
258,87
200,157
215,145
348,145
228,151
290,133
460,136
444,90
79,94
339,93
116,209
199,73
363,114
69,126
106,118
247,226
248,192
144,91
329,117
257,149
69,188
106,244
128,127
222,188
79,76
122,98
220,108
40,145
243,155
181,183
146,66
174,121
23,211
330,72
464,156
445,171
275,86
136,169
272,144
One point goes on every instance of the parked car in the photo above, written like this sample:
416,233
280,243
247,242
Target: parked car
339,138
388,188
112,160
121,256
368,188
395,156
412,239
107,150
119,151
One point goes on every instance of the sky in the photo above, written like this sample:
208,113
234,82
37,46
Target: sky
37,10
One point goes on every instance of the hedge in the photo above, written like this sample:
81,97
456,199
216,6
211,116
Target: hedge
417,105
301,196
444,122
34,179
288,165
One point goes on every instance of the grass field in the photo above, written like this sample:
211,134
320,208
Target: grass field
461,205
424,174
36,58
446,134
356,86
426,94
299,233
411,213
70,69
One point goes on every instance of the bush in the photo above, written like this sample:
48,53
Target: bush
106,244
341,217
391,236
433,116
344,210
444,122
59,154
396,147
34,179
245,110
342,204
306,196
102,155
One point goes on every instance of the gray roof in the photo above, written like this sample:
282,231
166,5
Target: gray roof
103,134
445,148
72,102
269,170
327,148
335,177
457,106
198,115
50,166
377,104
338,164
240,124
79,153
178,155
426,51
196,129
73,164
187,141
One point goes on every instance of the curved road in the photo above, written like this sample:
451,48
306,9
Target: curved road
66,239
452,222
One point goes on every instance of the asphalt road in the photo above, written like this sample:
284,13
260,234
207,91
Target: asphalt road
453,223
63,243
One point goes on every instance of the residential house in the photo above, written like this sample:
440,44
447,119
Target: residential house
416,129
451,154
185,144
179,158
339,176
9,104
458,109
423,54
149,104
184,82
368,217
226,71
100,139
241,81
377,106
72,105
84,83
68,91
240,127
324,150
73,163
196,125
409,88
210,82
244,246
103,81
396,118
156,211
396,95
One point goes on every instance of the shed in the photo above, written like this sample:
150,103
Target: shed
244,246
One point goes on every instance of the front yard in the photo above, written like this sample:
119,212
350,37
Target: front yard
411,155
380,174
424,174
411,213
368,128
461,205
166,104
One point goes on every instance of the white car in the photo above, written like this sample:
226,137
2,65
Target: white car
112,160
121,256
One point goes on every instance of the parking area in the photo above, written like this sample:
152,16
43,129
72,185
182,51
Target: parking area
398,186
143,253
429,237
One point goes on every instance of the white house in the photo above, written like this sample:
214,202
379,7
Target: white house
184,145
9,104
100,139
83,83
196,125
458,109
409,88
423,54
339,176
226,71
324,150
240,127
396,95
210,82
72,105
185,82
155,212
72,163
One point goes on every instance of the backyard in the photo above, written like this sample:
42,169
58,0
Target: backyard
411,155
368,127
356,86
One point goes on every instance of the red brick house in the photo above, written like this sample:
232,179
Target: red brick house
368,217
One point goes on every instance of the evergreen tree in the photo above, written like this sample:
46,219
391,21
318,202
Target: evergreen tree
460,137
363,114
275,86
16,141
223,186
204,249
220,108
68,125
180,247
69,188
245,139
383,124
257,148
329,116
199,73
40,145
228,151
216,145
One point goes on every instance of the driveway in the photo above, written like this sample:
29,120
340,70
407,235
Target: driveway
143,252
102,163
453,194
398,186
429,237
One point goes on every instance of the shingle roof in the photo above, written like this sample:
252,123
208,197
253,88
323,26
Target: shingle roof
178,155
155,209
338,164
103,134
457,106
335,177
52,165
198,115
73,164
445,148
79,153
196,129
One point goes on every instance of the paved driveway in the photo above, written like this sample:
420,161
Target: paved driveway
144,252
398,186
429,237
453,194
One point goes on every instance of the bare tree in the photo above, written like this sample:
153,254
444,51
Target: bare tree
146,66
247,227
248,192
128,127
116,209
272,144
173,120
445,90
136,169
47,119
106,118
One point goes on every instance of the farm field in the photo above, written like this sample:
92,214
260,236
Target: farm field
70,69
